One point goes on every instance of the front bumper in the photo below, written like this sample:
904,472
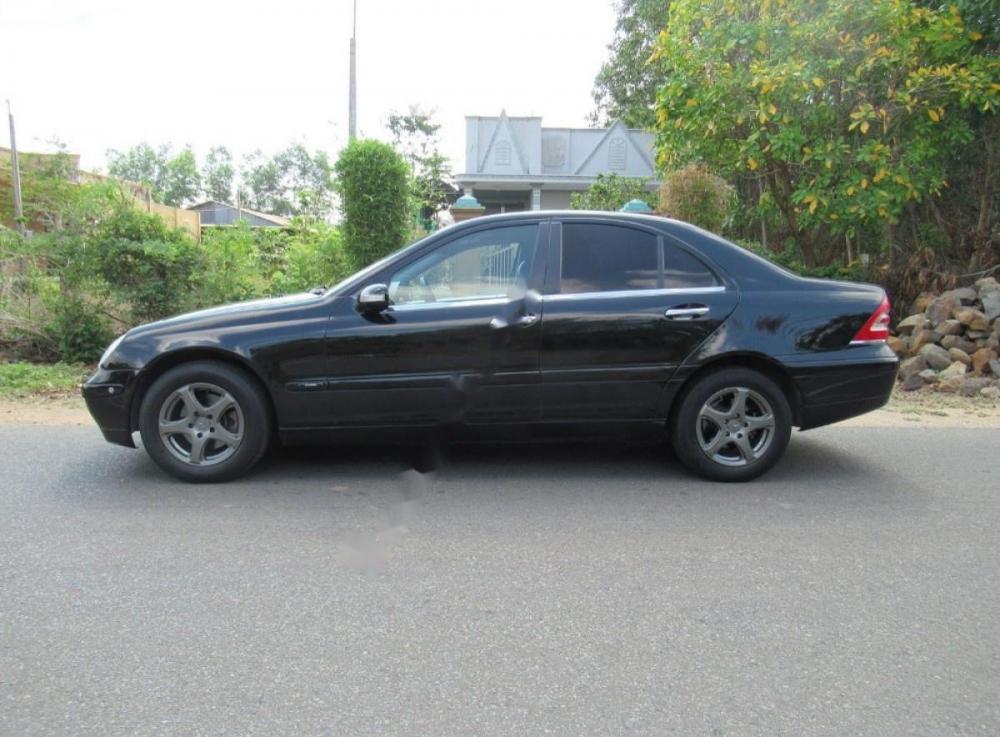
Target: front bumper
108,395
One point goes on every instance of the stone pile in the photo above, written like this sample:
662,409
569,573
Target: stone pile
950,343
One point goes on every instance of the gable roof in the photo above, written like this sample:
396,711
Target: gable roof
624,133
504,124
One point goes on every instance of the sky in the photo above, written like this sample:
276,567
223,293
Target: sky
100,74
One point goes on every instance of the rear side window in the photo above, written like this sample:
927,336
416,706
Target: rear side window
607,258
681,270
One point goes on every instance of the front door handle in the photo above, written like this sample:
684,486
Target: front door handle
686,312
522,322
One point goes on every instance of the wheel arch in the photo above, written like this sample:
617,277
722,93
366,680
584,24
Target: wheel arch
755,361
166,361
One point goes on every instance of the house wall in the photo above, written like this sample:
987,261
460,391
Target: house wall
553,199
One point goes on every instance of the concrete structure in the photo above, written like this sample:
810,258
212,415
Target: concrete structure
515,164
214,214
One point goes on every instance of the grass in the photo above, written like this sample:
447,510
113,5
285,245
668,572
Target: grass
20,379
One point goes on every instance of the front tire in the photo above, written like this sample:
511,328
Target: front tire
205,421
732,425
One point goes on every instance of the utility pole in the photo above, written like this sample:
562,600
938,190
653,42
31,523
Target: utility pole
352,114
15,175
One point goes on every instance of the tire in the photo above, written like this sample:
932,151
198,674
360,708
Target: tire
205,421
713,437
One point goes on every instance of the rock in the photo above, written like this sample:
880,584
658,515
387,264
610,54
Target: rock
911,383
923,299
957,369
911,323
941,308
936,357
993,341
977,335
981,359
986,284
991,304
950,341
962,295
957,354
929,376
969,346
990,392
972,387
994,365
972,318
911,367
921,338
897,344
949,385
949,327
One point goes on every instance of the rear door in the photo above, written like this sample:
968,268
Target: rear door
623,307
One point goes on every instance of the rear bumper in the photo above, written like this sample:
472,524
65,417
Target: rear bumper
837,390
108,395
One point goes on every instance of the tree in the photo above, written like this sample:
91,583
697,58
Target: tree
171,179
832,118
625,87
293,182
218,174
610,192
415,135
372,180
181,180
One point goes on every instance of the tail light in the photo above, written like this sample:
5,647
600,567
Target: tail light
876,327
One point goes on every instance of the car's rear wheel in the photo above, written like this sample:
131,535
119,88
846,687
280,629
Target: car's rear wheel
205,421
733,424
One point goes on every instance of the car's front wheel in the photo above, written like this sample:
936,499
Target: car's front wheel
732,425
205,421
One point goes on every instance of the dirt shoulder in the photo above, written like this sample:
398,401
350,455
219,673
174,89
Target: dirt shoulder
905,409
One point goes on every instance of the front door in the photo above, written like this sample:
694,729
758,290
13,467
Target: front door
623,309
459,344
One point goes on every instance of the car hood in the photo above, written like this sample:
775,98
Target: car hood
232,314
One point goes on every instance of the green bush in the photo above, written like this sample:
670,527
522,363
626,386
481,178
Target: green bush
374,200
789,260
611,192
148,265
232,266
78,330
696,195
314,257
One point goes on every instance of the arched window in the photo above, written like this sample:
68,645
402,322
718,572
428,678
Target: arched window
501,154
616,154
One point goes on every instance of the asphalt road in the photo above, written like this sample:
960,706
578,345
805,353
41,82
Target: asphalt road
516,591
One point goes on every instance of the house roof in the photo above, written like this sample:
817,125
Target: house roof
216,205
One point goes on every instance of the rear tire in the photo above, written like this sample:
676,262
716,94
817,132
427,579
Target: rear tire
733,424
205,421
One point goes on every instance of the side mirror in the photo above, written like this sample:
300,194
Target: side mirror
373,298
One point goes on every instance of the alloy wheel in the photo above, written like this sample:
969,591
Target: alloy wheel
735,426
201,424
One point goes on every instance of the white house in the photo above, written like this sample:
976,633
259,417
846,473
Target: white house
516,164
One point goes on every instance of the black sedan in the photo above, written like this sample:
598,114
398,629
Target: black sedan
531,326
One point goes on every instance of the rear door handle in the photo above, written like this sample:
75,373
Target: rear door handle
686,312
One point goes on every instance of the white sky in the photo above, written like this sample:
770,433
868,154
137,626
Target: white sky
99,74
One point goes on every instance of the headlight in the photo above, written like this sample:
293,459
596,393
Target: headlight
111,349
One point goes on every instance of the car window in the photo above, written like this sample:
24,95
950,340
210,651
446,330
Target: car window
482,265
607,258
681,270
